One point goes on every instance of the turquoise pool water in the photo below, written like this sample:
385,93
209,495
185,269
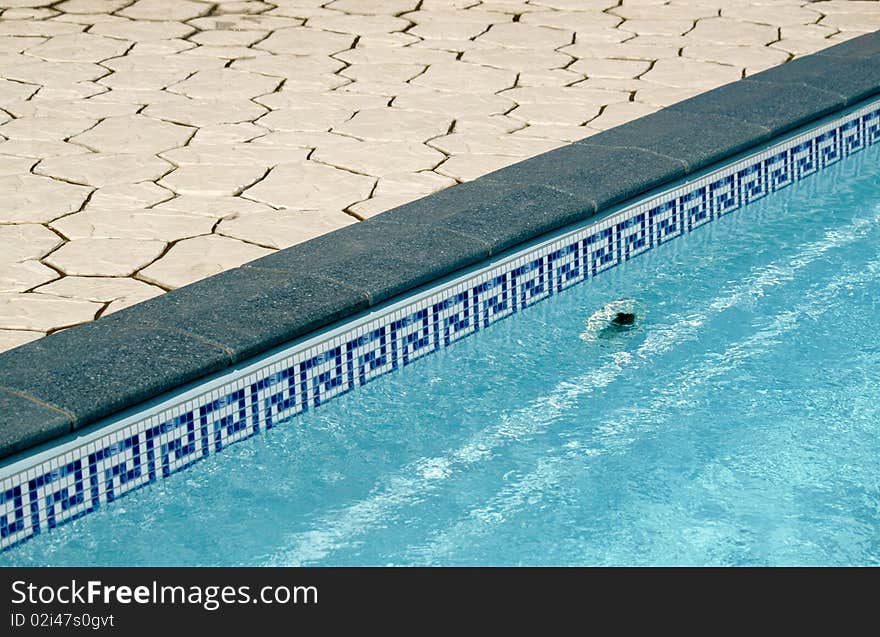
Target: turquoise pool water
737,423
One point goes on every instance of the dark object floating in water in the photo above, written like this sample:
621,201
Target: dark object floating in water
624,319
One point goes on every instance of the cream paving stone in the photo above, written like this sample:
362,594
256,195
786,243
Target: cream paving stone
859,22
113,290
394,125
556,113
306,41
135,96
212,179
214,207
564,95
378,158
691,74
104,257
10,339
122,196
553,77
33,199
135,134
158,48
24,275
70,91
85,108
43,313
482,144
576,5
618,50
752,58
203,112
305,119
620,113
301,68
225,83
91,6
79,47
283,228
729,31
193,259
661,11
773,14
141,79
311,186
47,28
247,155
22,241
311,99
387,72
558,132
373,7
224,53
517,59
469,167
15,91
456,106
165,10
658,27
36,71
498,124
228,38
160,225
104,169
358,24
462,25
462,77
39,149
16,44
626,69
580,21
11,165
226,134
392,55
142,31
229,22
169,62
660,95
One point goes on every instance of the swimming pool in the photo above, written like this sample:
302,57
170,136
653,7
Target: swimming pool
735,423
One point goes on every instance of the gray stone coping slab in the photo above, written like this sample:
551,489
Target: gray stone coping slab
73,378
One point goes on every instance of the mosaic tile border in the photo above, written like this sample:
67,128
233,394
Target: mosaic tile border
168,439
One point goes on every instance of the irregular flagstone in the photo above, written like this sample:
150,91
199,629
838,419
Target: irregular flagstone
36,71
305,119
691,74
309,99
165,10
620,113
43,313
553,77
26,241
518,35
193,259
301,68
228,38
394,125
141,31
79,47
311,186
558,132
91,6
212,179
60,109
753,58
229,21
580,21
17,44
15,91
283,228
469,167
139,79
728,31
398,189
517,59
206,112
13,338
11,165
487,144
358,24
225,83
105,257
71,91
214,207
393,55
24,275
104,169
493,124
373,7
33,199
118,292
385,72
248,155
134,134
462,77
226,134
592,67
160,225
306,41
122,196
378,158
39,149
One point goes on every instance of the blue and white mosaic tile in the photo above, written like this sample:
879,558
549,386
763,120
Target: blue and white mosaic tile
50,489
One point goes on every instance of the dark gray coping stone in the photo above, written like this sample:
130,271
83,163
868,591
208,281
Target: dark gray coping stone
73,378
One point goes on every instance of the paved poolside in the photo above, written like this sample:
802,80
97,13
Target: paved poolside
145,145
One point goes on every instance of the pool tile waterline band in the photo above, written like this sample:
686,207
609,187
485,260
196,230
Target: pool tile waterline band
167,439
